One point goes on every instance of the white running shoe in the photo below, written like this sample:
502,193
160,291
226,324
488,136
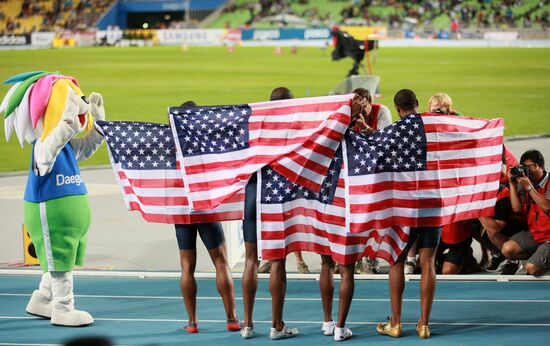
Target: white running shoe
283,334
247,332
410,266
328,328
341,334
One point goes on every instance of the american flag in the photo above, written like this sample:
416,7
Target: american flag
143,156
428,170
294,218
220,147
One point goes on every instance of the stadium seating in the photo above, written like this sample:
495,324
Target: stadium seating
26,16
396,14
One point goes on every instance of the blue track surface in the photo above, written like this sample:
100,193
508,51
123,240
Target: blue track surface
151,311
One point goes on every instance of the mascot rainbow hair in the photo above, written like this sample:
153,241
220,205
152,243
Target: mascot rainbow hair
48,110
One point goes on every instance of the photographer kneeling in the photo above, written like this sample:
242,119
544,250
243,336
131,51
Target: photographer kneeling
530,196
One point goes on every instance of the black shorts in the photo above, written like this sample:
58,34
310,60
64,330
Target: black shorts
512,228
456,254
211,234
428,237
249,221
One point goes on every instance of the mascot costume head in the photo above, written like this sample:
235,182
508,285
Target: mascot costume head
49,111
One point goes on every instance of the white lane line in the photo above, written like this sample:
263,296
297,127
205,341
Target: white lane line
19,344
297,299
163,320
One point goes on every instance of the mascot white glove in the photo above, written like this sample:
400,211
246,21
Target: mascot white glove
87,146
97,108
75,112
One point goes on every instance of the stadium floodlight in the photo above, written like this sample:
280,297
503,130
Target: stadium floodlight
346,86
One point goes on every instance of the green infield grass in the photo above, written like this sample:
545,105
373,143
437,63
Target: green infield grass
140,83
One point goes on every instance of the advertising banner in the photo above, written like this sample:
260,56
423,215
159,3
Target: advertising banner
366,32
15,40
285,34
191,36
42,39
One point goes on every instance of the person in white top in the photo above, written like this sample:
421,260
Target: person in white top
372,116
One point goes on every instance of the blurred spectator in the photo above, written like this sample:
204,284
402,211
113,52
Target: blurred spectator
530,195
498,229
441,103
66,14
405,15
457,239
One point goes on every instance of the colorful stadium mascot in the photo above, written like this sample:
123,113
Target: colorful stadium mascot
49,111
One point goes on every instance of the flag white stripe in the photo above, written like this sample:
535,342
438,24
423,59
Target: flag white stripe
290,118
434,137
440,174
299,203
351,249
155,192
300,102
301,170
149,174
220,192
423,194
263,150
464,153
455,120
182,210
425,212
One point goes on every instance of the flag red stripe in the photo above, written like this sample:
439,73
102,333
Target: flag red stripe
171,200
463,144
423,184
304,211
188,218
421,221
284,141
295,177
273,254
281,125
256,159
424,203
152,183
158,201
463,162
446,127
340,239
308,163
227,165
318,148
293,109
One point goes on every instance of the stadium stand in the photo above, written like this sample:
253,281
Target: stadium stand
27,16
427,15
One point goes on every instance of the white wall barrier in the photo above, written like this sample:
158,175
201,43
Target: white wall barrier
251,37
42,39
501,35
202,37
234,241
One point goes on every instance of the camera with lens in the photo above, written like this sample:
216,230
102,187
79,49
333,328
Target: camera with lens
519,171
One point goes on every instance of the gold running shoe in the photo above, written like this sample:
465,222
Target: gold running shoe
388,329
423,331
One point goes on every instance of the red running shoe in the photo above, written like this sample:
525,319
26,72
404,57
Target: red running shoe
191,328
234,325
